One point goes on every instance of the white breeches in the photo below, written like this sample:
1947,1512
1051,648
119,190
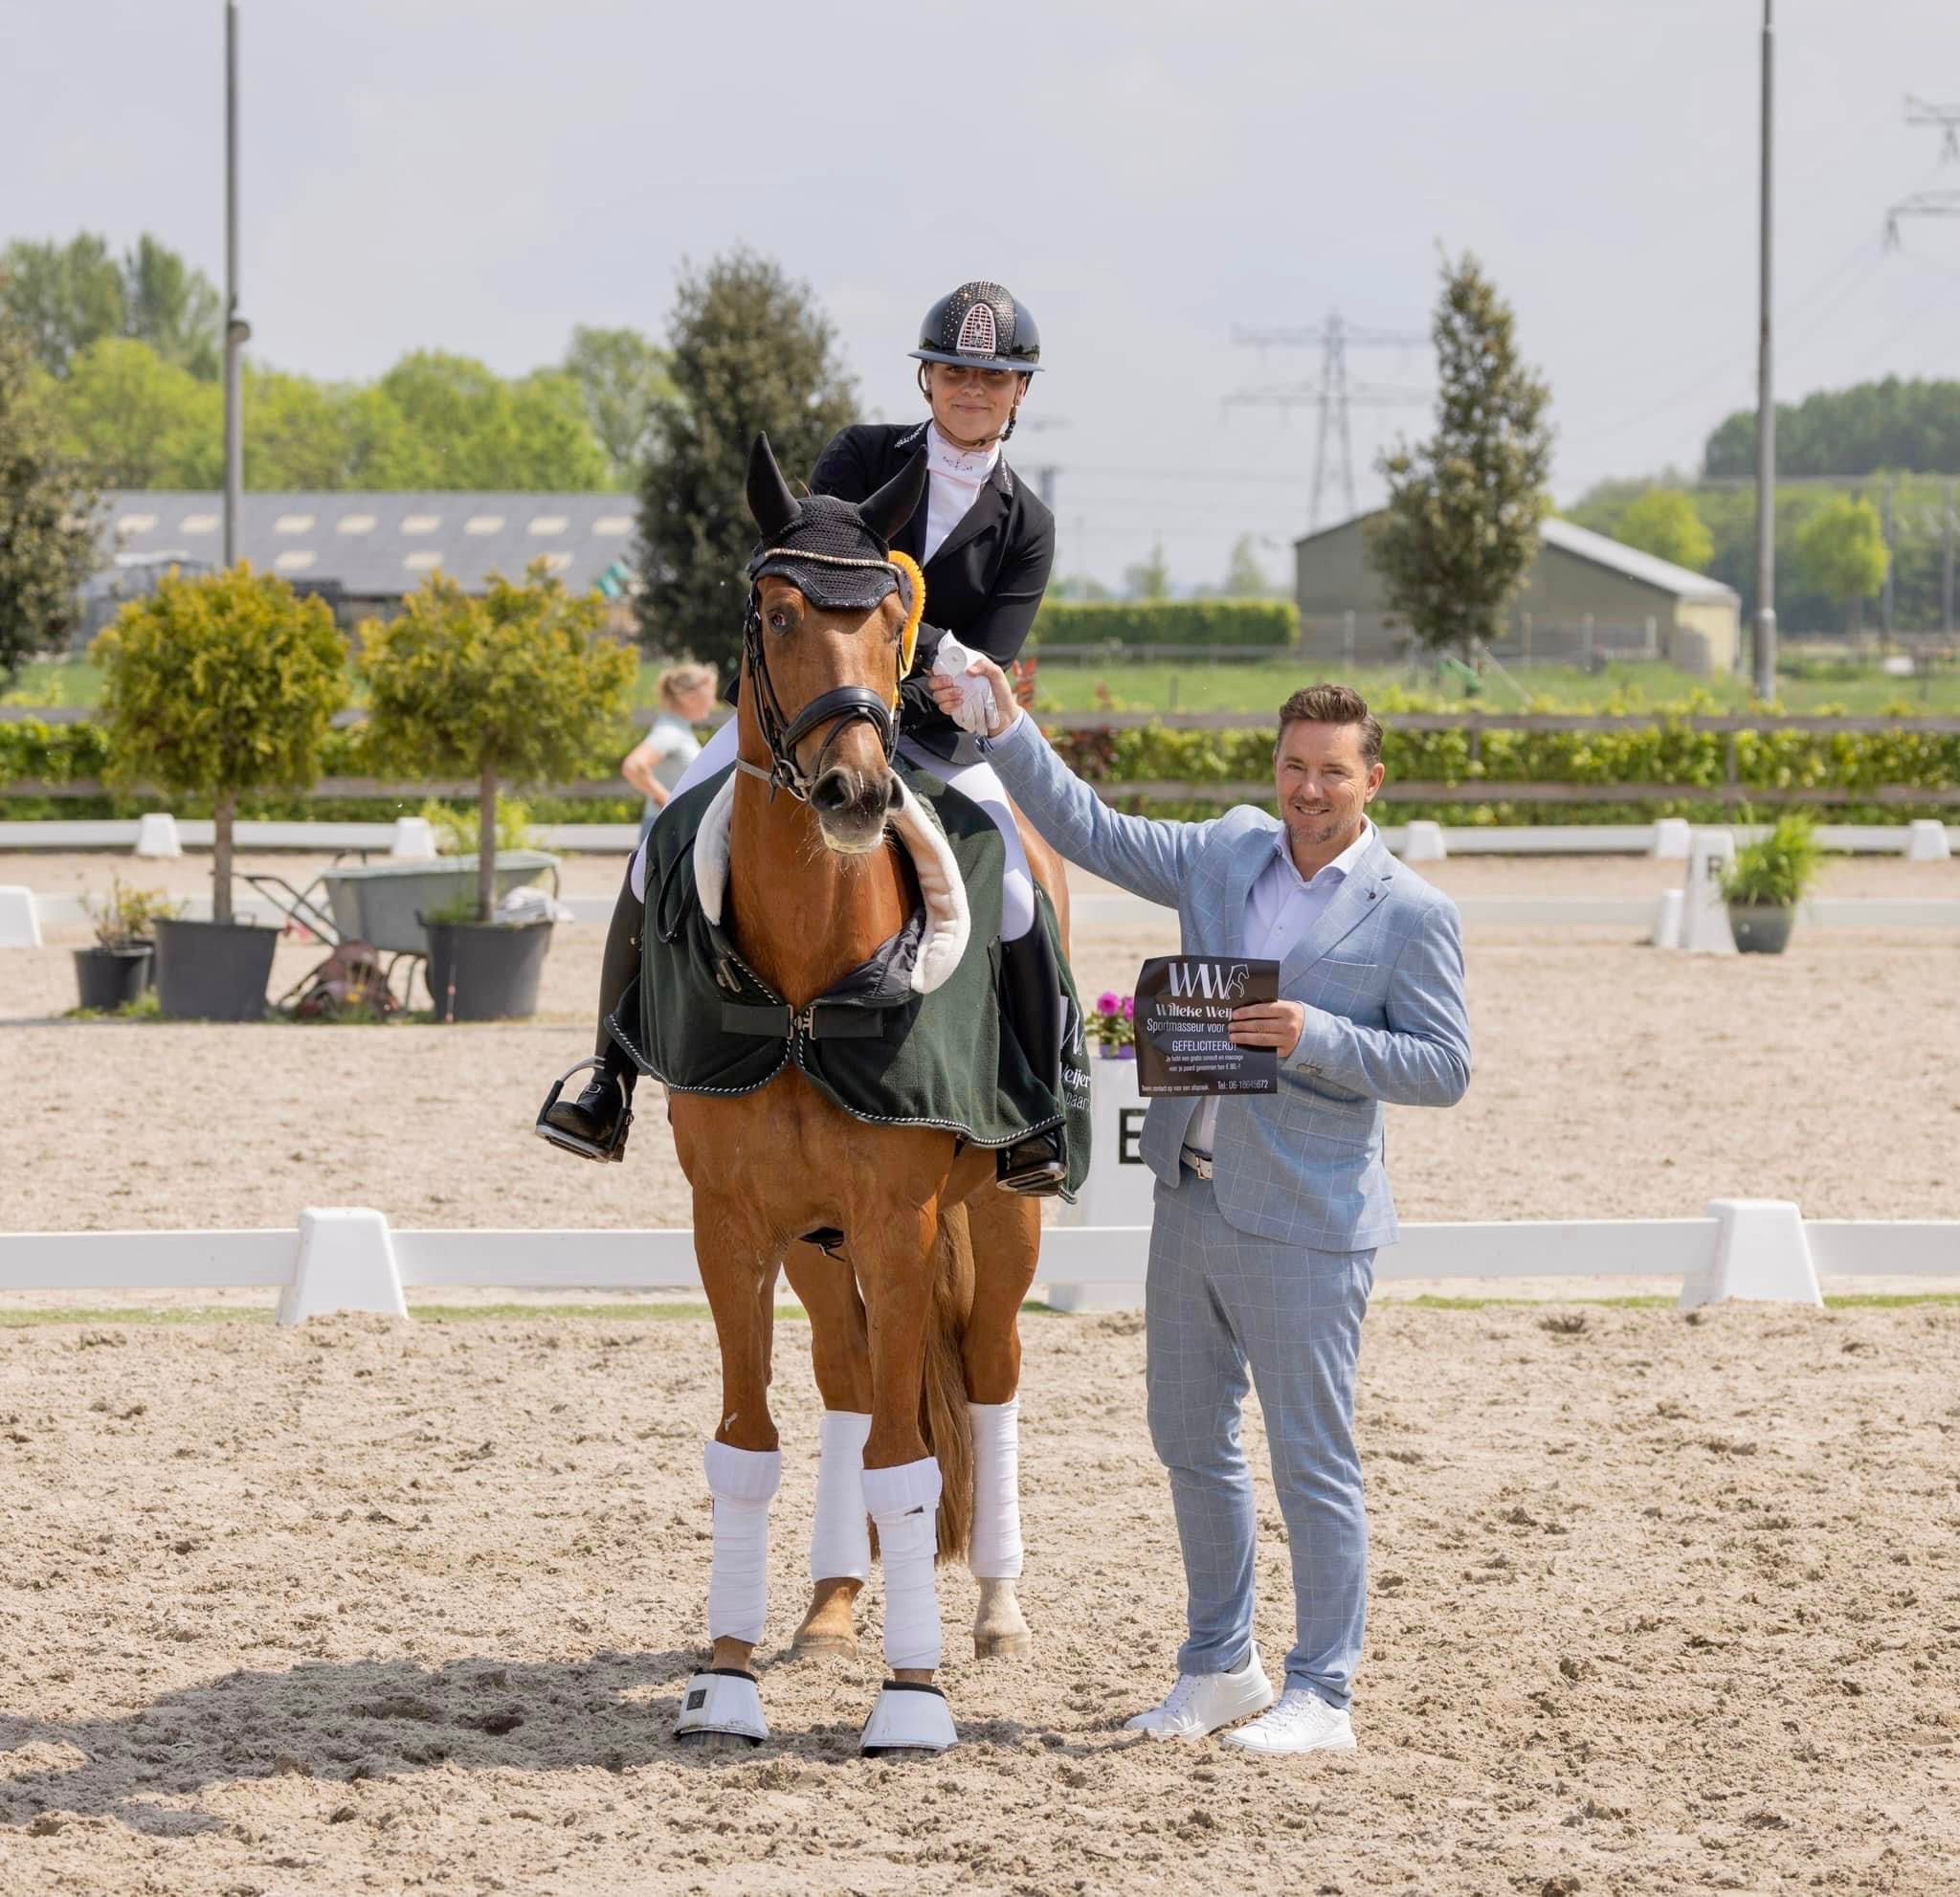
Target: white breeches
979,782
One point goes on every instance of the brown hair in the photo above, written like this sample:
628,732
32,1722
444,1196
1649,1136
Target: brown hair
678,681
1334,704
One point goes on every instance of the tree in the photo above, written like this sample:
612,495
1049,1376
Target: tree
138,422
1148,579
1910,426
1244,577
46,543
218,685
1665,522
479,432
70,295
1843,551
621,374
751,352
1461,523
517,685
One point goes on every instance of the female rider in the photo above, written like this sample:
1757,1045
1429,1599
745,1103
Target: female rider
985,542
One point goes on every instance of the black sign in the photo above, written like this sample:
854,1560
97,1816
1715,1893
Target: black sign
1184,1014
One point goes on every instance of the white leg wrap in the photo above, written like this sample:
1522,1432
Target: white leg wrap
994,1553
904,1503
743,1482
839,1541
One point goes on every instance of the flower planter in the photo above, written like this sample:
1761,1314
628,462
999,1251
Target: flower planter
212,970
1760,929
485,971
112,978
1127,1052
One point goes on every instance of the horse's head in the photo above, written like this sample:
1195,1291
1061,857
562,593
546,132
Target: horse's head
832,622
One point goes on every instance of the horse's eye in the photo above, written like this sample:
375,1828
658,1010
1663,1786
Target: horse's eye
779,621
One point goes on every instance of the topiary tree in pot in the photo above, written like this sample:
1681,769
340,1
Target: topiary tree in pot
517,685
213,686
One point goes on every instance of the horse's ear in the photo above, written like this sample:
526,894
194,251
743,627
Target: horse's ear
895,503
770,500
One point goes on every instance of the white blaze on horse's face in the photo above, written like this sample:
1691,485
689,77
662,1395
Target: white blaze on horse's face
812,652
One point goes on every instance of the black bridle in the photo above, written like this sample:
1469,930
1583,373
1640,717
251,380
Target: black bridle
839,708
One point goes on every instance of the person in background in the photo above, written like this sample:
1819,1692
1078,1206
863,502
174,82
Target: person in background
654,767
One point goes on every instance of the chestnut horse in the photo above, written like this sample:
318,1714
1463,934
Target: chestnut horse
917,1320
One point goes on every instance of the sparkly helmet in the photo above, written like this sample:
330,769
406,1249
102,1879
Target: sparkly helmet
980,325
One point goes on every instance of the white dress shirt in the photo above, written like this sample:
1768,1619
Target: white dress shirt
1280,909
957,476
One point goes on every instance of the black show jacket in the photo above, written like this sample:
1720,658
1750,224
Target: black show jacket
983,585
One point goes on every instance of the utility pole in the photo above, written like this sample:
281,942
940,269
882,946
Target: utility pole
1766,403
1946,580
1333,394
237,331
1929,203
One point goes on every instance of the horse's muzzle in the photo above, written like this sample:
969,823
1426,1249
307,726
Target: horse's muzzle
851,807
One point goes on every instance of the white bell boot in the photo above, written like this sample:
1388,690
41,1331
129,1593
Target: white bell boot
726,1700
908,1716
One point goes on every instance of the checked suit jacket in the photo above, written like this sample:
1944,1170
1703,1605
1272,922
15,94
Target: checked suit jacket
1380,972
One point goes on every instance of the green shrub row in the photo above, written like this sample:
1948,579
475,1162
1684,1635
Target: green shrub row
1274,622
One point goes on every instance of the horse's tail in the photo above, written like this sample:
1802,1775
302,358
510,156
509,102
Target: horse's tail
948,1429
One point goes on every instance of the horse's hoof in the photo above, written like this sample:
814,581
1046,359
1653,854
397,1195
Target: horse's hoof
1003,1645
830,1626
717,1742
813,1646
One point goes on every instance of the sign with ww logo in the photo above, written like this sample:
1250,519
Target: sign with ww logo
1183,1017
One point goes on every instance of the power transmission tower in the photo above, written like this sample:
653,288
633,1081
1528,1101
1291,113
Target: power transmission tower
1929,203
1333,394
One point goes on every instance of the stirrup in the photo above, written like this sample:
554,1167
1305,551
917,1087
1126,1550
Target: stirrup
569,1142
1032,1167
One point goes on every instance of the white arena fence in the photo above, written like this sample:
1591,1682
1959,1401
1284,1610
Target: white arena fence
351,1258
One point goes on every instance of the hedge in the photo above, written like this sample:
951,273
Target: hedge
1663,752
1274,622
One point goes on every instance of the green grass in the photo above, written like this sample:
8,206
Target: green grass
1259,687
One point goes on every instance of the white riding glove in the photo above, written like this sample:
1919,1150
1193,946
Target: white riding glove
976,712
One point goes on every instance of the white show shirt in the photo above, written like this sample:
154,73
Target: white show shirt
1280,909
957,475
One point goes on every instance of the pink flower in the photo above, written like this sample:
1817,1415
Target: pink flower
1130,1007
1107,1004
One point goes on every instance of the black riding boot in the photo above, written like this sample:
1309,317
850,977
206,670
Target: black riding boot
1032,997
595,1125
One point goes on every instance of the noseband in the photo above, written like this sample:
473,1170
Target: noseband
837,709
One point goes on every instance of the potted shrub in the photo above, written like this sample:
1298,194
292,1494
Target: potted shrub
519,686
117,971
212,686
1766,880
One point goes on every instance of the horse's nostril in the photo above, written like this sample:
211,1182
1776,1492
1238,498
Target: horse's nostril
894,791
833,792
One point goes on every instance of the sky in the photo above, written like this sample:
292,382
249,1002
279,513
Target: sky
479,175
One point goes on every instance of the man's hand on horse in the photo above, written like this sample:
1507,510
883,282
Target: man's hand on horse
1000,708
1274,1024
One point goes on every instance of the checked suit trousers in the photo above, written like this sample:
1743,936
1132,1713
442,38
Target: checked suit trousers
1228,1312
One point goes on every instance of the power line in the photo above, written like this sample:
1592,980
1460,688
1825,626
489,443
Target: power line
1929,203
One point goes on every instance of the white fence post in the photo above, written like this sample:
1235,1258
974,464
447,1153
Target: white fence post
19,926
1672,837
1760,1252
1925,841
156,835
414,838
1667,919
1422,842
347,1262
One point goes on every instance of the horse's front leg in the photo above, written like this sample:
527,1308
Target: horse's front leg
1006,1234
737,1256
895,1259
840,1543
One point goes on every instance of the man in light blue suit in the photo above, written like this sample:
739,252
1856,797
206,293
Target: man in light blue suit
1270,1207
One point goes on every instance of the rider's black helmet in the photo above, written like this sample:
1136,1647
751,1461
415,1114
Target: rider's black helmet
980,325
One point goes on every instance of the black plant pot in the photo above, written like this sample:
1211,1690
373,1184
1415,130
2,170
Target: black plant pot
214,971
485,971
147,945
111,978
1760,929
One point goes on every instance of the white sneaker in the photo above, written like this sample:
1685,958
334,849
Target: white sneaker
1200,1703
1300,1723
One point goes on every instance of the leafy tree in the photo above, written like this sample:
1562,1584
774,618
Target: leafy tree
1244,577
1843,551
70,295
138,422
1148,579
218,685
517,685
1911,425
478,431
47,547
1078,587
1664,521
1461,525
751,352
621,374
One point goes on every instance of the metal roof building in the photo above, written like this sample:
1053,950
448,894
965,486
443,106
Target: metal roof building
1585,596
365,552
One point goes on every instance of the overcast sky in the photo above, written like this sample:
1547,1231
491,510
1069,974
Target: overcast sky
479,175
